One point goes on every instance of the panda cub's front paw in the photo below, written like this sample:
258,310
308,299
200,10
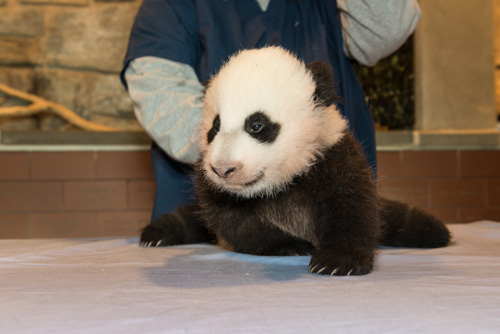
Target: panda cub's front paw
168,230
326,262
152,236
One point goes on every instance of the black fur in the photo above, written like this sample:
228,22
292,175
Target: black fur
260,127
334,207
184,226
214,130
411,227
326,92
342,207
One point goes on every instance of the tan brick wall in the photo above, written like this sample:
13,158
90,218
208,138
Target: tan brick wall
74,194
497,51
458,186
98,194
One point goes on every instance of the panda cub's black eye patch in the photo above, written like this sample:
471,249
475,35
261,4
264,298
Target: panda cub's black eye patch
259,126
214,130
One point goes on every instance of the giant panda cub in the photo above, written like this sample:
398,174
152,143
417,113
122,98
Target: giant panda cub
281,174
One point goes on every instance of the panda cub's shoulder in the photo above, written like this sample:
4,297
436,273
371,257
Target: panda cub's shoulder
267,119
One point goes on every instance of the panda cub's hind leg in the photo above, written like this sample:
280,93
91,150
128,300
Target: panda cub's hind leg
407,226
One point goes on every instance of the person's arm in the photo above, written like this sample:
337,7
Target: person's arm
168,104
158,72
373,29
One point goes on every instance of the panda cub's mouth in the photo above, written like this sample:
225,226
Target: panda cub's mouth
244,184
259,177
235,186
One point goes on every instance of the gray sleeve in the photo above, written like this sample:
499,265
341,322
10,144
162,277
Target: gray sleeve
168,104
373,29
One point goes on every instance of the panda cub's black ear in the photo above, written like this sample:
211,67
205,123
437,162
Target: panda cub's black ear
326,90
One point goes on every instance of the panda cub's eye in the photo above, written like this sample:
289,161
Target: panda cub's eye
260,127
256,128
216,127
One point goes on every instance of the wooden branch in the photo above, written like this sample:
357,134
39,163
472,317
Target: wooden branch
39,105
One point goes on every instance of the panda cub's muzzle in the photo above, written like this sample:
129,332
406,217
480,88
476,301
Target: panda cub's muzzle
233,175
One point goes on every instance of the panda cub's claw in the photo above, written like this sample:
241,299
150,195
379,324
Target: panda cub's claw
149,244
152,237
327,262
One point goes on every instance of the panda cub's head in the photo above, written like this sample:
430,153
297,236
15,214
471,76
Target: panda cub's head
266,120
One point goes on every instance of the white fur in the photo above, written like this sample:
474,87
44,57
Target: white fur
273,81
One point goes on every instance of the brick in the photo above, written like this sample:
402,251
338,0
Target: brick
20,51
93,37
480,163
62,225
493,192
121,123
496,28
122,223
389,164
429,164
94,195
31,18
66,87
14,165
109,97
141,194
456,193
56,2
475,214
497,71
62,165
49,122
128,165
410,191
113,0
30,196
111,104
13,226
446,215
18,78
18,124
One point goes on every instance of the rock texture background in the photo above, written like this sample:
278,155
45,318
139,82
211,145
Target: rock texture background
496,33
69,52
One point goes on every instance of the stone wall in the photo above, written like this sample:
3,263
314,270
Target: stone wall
497,52
70,52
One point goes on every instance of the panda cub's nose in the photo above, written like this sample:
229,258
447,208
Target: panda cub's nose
225,172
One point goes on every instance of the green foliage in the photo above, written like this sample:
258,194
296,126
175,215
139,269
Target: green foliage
389,87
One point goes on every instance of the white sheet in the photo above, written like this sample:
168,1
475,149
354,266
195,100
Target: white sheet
112,285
